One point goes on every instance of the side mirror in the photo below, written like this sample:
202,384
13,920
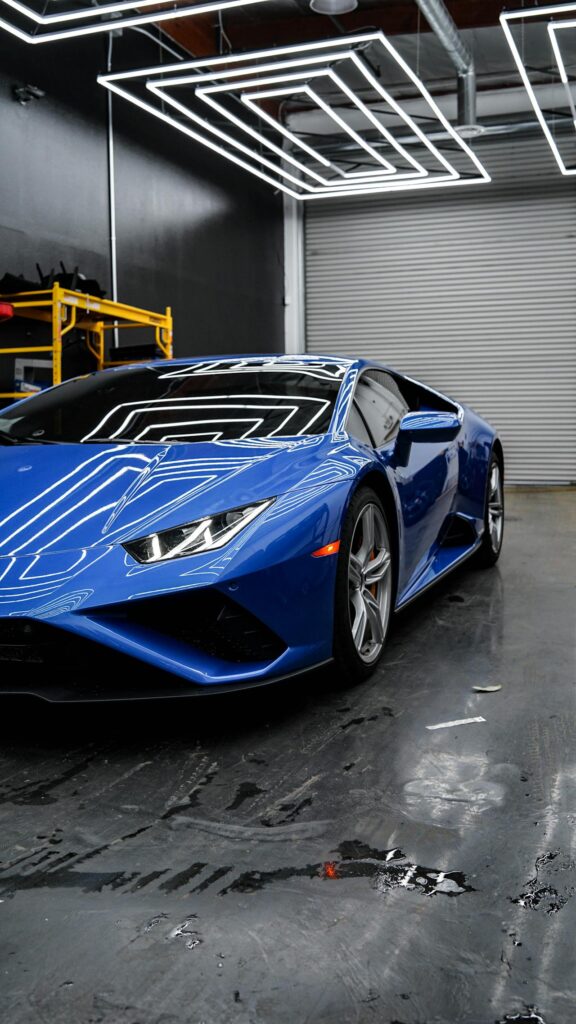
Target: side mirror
428,426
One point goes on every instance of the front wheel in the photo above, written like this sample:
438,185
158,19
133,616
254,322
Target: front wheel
489,551
364,588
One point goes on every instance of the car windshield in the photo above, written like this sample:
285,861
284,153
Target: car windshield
210,401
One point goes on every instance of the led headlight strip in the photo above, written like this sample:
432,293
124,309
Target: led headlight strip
235,106
554,29
206,534
85,19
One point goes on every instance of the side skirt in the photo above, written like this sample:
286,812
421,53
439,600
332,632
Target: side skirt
463,557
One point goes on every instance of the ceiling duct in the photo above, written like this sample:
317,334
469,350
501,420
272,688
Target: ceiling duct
442,23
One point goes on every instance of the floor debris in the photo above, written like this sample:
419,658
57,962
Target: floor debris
529,1016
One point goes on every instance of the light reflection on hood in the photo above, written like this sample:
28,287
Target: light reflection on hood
77,497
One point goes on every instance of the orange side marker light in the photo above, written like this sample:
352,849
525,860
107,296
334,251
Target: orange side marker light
328,549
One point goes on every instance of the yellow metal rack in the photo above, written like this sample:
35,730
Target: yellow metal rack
66,310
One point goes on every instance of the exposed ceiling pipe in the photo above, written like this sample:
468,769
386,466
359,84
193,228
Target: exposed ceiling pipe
492,103
442,23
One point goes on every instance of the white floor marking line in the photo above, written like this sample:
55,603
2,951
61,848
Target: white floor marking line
459,721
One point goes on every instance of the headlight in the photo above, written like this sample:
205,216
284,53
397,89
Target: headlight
202,535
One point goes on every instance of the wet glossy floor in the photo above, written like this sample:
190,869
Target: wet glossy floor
301,855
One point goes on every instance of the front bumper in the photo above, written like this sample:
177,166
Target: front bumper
40,660
235,620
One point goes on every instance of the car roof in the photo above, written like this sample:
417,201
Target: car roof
259,359
264,357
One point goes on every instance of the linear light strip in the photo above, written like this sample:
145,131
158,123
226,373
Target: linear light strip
537,12
291,91
275,66
430,100
402,113
237,58
118,8
374,120
449,179
193,79
347,128
439,182
560,62
556,26
292,76
124,23
110,23
277,78
241,77
204,94
350,54
540,12
197,137
557,54
353,55
248,99
157,89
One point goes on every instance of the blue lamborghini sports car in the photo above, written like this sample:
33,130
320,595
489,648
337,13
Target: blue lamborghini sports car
232,521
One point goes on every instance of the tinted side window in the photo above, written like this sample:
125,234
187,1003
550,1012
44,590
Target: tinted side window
382,405
356,427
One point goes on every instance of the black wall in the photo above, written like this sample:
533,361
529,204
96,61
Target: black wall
193,232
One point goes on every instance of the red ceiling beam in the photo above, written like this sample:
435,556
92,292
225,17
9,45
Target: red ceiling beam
258,29
196,34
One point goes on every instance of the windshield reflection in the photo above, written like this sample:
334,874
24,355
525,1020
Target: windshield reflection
212,401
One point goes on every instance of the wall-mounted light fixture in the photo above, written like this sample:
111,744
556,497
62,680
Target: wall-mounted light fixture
24,94
536,31
241,105
28,22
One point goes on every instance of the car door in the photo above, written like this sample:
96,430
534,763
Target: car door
426,484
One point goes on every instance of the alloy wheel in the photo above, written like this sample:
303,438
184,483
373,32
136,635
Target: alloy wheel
369,582
495,507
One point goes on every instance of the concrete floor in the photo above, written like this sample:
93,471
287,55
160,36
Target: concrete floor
276,857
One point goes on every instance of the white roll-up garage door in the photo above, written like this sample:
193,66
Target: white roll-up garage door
471,290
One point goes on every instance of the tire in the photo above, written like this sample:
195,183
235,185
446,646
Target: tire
364,596
489,551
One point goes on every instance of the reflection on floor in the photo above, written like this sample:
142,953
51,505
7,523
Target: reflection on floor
260,859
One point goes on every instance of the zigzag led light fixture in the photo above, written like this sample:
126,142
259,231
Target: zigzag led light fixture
368,142
554,29
31,25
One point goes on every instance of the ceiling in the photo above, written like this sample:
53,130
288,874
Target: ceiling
399,111
282,22
502,99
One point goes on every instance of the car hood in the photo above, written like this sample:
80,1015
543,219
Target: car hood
61,497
